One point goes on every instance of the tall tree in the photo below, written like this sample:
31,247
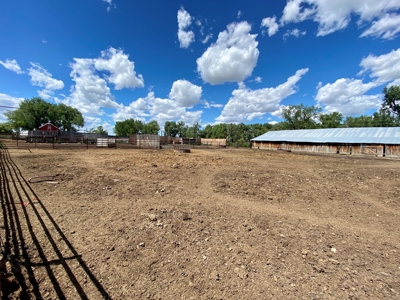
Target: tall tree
193,131
5,128
99,130
151,127
65,117
182,129
206,132
220,131
300,116
383,118
258,129
171,129
333,120
391,99
33,113
127,127
361,121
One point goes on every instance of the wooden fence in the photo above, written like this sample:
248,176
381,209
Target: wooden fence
214,142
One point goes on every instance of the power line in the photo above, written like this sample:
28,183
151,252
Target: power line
2,106
49,109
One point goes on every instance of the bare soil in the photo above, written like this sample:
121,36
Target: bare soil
212,224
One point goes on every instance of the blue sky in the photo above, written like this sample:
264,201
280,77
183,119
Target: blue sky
206,61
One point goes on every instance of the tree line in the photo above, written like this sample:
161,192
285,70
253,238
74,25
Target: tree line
35,112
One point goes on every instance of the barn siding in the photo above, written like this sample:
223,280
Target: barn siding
353,149
392,150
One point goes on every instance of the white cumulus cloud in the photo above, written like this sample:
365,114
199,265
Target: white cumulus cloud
342,89
92,75
184,21
185,93
271,25
355,105
138,109
293,12
12,65
387,28
335,15
42,78
122,70
232,58
347,96
384,68
247,104
90,91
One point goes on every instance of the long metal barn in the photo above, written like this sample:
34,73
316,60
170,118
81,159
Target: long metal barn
378,141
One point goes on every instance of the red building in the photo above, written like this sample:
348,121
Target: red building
49,127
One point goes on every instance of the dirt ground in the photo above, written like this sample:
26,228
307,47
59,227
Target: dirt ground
212,224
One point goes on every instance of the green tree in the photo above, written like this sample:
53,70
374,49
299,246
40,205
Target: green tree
193,131
333,120
127,127
391,100
279,126
99,130
361,121
33,113
171,129
383,118
182,129
5,128
220,131
151,127
206,132
258,129
300,116
65,117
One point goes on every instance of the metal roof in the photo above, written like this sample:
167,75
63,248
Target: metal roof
362,135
